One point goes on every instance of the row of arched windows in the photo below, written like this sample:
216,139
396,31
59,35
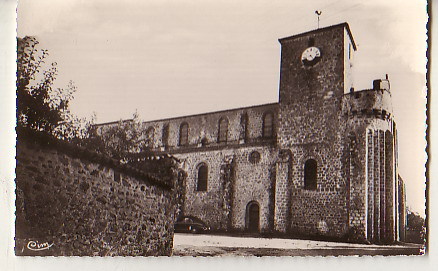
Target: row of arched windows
267,128
310,176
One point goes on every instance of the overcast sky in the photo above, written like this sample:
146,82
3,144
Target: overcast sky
172,58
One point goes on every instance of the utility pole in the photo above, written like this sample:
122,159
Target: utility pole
318,12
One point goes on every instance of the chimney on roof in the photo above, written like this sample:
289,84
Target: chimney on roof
381,84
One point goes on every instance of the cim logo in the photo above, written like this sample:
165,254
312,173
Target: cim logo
36,246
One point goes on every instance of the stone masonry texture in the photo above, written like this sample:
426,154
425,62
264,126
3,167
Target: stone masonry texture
349,134
76,201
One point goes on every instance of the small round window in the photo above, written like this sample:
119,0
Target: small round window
254,157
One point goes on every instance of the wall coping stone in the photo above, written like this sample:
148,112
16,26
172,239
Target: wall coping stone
49,141
355,92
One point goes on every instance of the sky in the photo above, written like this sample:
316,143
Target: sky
174,58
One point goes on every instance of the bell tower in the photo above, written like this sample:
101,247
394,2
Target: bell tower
315,73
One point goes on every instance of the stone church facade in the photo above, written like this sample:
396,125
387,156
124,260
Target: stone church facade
320,162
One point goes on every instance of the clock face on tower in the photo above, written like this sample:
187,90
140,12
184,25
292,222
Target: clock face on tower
311,56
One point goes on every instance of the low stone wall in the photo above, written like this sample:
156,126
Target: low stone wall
74,202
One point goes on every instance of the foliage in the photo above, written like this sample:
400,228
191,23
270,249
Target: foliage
41,106
44,108
416,228
163,167
129,142
415,221
118,140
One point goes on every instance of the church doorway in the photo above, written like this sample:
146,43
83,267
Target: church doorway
252,217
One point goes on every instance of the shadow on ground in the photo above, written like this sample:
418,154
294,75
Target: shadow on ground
236,251
214,245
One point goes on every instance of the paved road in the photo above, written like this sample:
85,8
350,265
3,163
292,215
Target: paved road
219,245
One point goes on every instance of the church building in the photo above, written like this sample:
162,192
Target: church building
319,163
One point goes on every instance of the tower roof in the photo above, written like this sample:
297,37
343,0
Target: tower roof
344,25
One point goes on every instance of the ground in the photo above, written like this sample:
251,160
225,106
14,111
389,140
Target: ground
219,245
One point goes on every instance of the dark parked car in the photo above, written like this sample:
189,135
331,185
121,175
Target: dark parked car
190,224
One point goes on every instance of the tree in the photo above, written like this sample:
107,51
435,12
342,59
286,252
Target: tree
415,230
128,141
119,140
40,106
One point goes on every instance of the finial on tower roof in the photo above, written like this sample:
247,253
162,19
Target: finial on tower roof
318,12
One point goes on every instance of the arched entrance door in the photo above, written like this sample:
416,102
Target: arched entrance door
253,217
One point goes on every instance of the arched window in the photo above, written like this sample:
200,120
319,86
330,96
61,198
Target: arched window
223,130
117,176
165,135
310,174
202,178
244,126
183,134
268,125
254,157
150,137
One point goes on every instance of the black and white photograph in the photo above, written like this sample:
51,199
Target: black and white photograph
219,128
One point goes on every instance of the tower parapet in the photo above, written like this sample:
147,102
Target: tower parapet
370,103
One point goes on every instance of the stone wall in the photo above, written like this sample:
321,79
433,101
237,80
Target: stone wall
233,181
319,119
311,126
249,181
80,203
203,129
371,176
310,97
323,120
253,183
368,103
402,219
